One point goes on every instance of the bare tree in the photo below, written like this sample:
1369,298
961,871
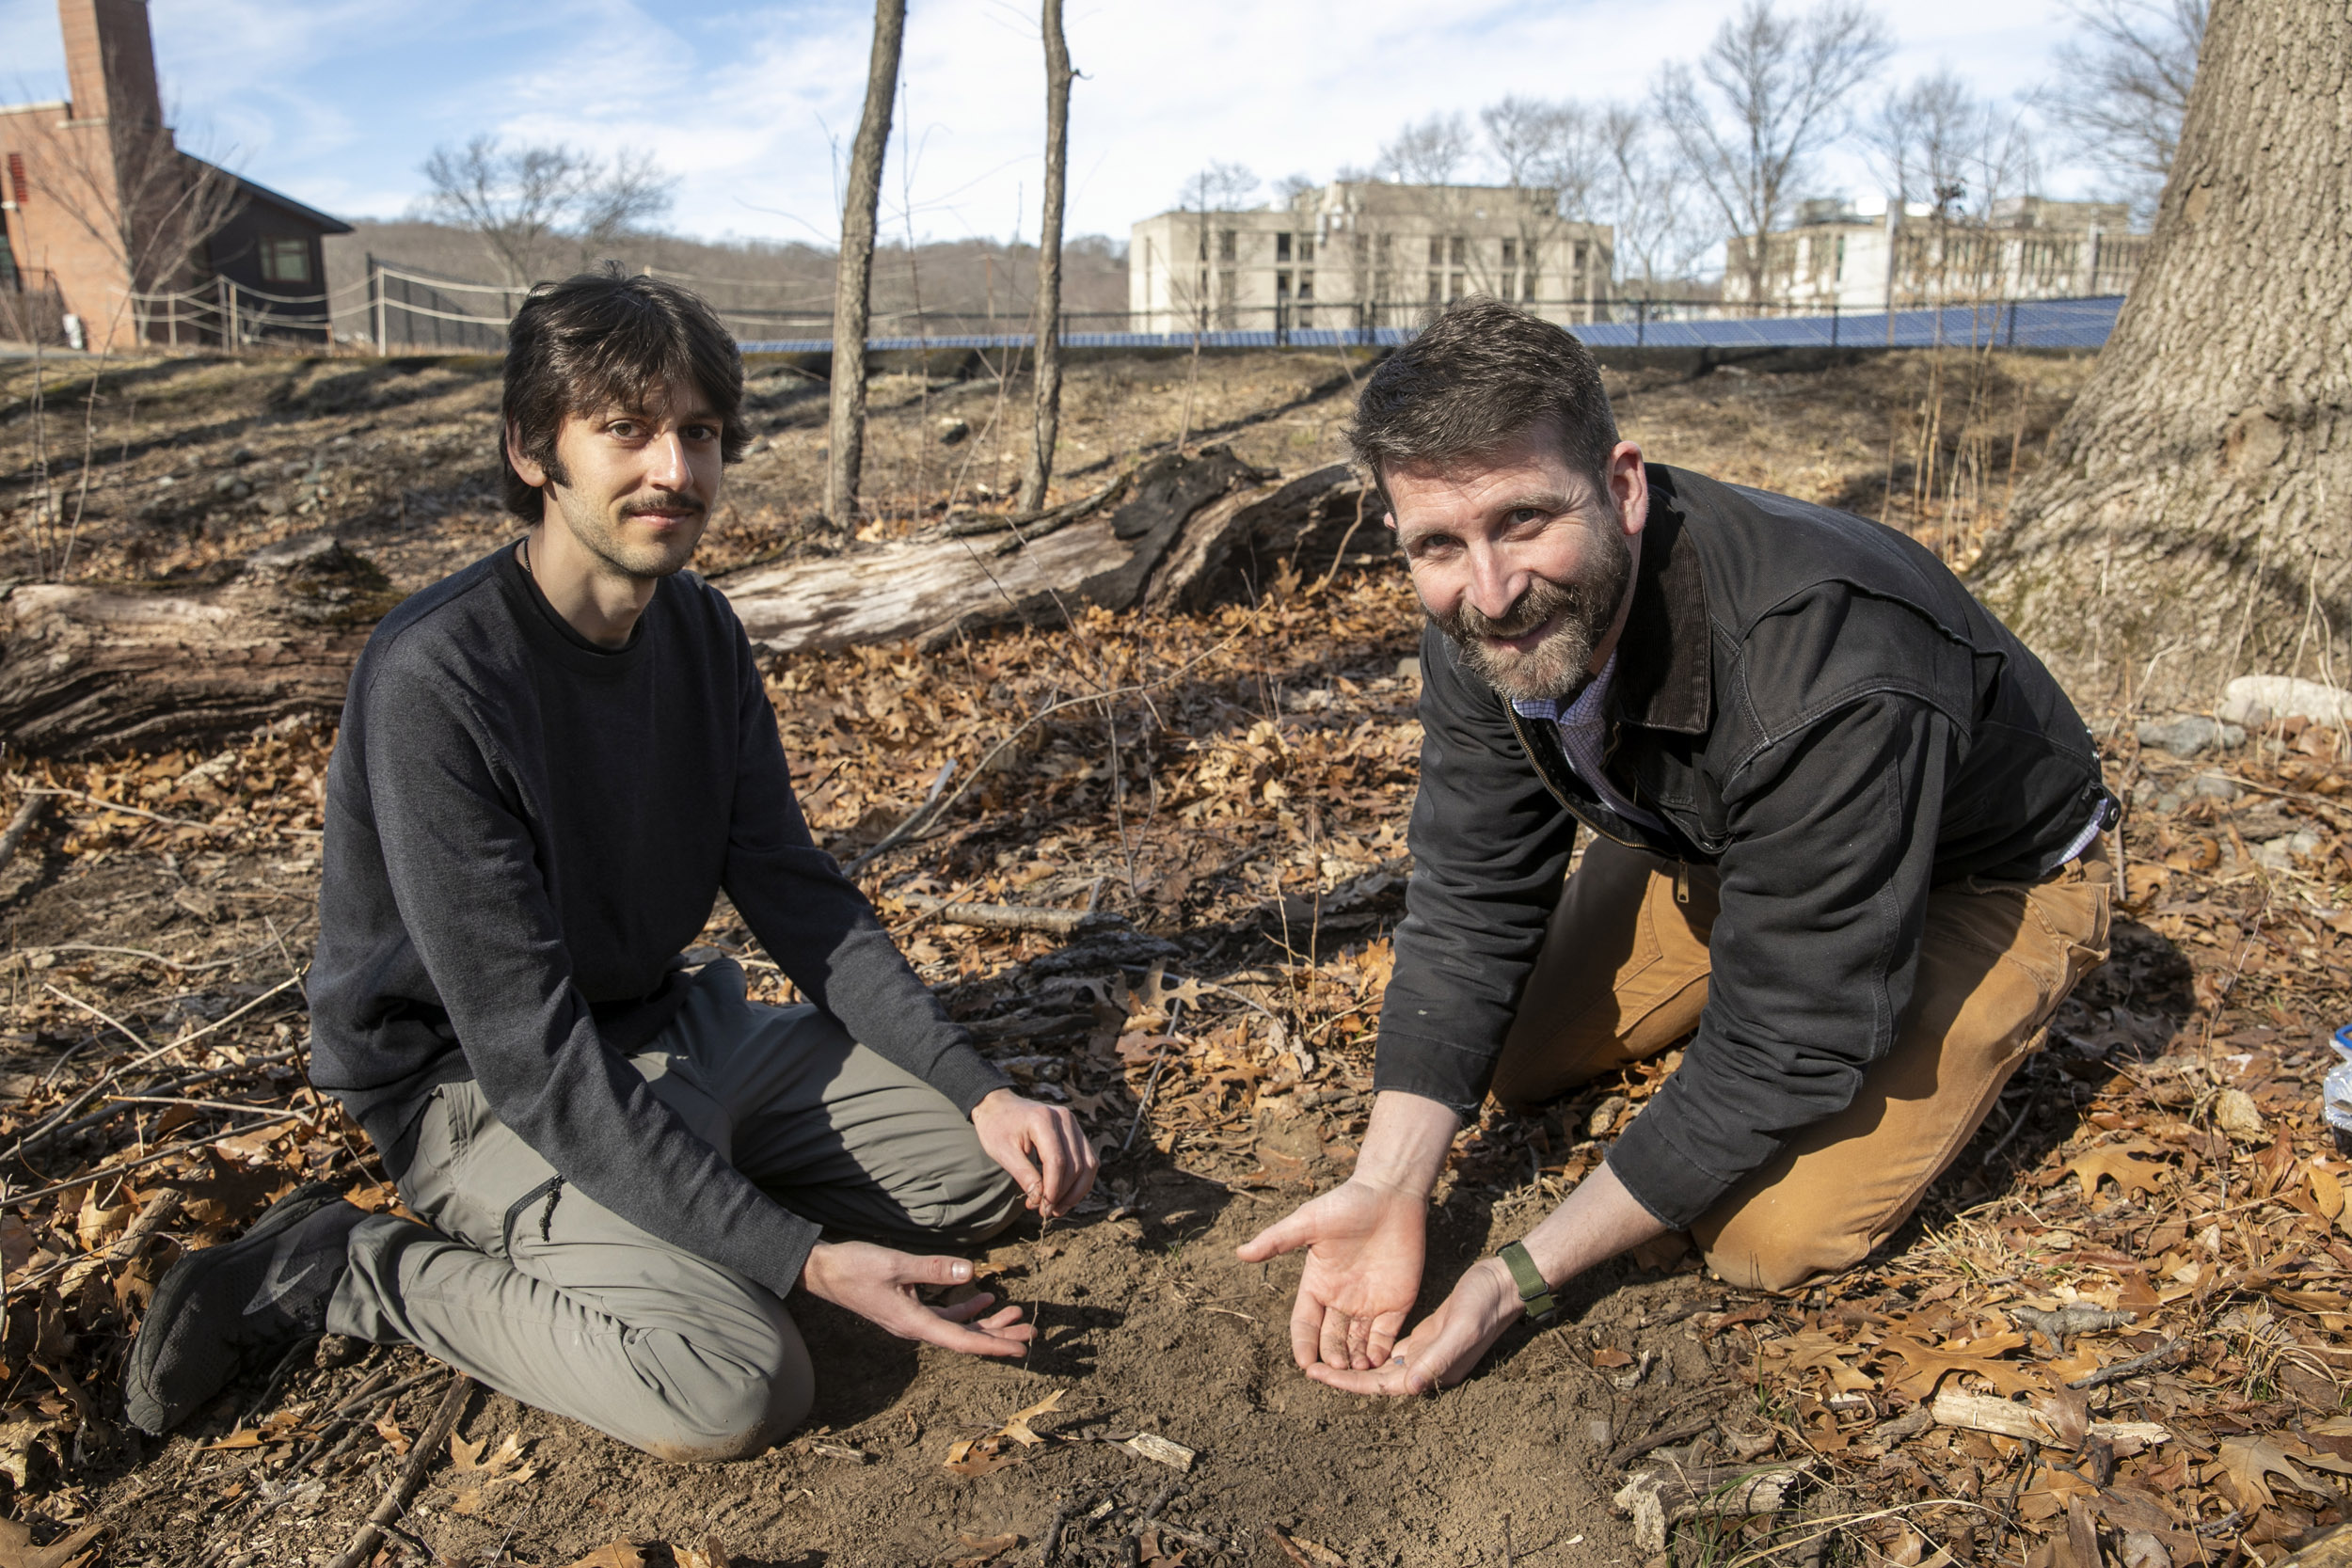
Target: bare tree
1429,153
1936,143
1057,77
1551,154
527,203
854,277
1769,96
2123,88
1645,194
1288,189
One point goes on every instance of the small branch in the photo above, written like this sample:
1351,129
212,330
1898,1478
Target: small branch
1626,1453
2122,1369
1014,917
899,834
19,825
90,1178
428,1448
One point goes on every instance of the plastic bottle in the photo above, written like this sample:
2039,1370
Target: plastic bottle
2336,1102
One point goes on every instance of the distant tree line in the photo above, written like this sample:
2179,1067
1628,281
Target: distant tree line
1731,142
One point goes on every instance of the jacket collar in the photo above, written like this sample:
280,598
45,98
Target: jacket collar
1662,680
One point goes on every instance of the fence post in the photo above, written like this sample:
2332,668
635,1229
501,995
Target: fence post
1832,323
1641,323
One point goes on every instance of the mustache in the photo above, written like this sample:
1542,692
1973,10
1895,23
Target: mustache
1540,603
664,502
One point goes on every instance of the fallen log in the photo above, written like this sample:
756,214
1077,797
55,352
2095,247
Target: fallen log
1176,534
101,668
1659,1500
94,668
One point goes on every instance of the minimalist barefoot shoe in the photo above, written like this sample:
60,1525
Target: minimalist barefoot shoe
230,1308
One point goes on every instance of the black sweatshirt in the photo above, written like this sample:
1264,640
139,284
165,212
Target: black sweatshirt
523,831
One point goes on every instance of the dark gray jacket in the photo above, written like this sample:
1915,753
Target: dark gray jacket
1812,703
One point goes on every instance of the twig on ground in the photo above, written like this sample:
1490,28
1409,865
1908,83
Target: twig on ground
899,834
1014,917
51,1131
19,825
90,1178
124,1029
428,1447
2122,1369
1626,1453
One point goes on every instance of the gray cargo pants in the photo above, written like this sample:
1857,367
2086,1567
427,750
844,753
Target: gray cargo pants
545,1294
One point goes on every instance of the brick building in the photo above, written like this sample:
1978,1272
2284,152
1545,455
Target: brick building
103,220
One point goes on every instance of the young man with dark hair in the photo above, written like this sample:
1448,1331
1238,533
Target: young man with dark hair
1845,827
550,764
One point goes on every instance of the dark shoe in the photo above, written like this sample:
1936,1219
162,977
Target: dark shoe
232,1308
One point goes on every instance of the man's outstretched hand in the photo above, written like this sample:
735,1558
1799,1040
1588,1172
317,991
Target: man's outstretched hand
880,1286
1041,1145
1364,1247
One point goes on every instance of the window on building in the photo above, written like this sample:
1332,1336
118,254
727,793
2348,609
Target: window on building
1461,250
1436,285
1382,248
1282,248
11,280
285,260
1527,285
1457,286
1306,248
1226,240
1510,253
1306,285
1437,251
1281,285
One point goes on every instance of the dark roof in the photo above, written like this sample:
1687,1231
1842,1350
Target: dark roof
287,204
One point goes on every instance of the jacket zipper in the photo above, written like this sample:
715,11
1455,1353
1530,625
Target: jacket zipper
1544,773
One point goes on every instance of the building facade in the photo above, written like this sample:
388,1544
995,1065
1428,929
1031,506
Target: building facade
1366,253
1866,256
110,234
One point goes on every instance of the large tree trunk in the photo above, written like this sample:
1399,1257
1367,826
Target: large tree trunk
89,671
1058,75
853,277
2191,524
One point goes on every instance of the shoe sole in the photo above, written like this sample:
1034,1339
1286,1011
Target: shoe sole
189,1271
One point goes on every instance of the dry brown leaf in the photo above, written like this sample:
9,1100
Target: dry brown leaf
1925,1366
18,1551
476,1477
2119,1164
2250,1462
2326,1193
393,1437
708,1555
979,1550
615,1554
1017,1428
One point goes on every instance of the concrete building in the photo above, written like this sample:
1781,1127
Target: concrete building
1363,253
102,215
1857,256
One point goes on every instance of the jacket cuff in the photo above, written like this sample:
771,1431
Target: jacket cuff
966,1077
1433,1070
1663,1177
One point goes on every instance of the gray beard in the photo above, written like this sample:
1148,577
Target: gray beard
1560,667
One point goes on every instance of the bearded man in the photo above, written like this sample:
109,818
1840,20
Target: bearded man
550,766
1844,826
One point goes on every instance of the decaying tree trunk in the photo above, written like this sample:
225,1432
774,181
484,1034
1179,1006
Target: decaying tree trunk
95,669
2191,522
1048,421
853,273
89,669
1172,535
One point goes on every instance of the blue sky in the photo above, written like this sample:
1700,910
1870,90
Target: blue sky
336,102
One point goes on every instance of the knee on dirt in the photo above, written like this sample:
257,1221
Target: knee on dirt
740,1414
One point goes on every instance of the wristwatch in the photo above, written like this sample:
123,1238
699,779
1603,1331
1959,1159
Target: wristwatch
1533,1293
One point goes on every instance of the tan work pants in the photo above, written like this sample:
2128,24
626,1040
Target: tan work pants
1623,975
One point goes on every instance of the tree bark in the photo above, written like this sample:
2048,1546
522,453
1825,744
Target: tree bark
1057,77
94,669
854,277
2191,524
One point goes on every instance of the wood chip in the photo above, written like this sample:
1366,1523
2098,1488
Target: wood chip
1160,1451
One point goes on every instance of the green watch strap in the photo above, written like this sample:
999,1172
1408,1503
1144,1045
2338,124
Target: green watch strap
1533,1293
